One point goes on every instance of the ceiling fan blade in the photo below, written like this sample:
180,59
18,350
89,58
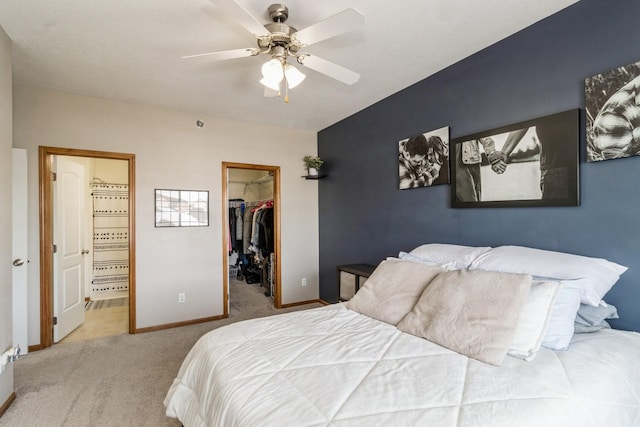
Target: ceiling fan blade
329,68
347,20
223,55
236,11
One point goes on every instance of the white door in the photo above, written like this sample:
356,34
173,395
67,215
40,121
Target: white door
19,239
68,271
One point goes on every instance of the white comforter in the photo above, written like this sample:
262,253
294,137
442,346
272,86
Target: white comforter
333,366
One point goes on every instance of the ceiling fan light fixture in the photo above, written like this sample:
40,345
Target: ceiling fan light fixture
283,42
270,83
272,74
293,76
272,70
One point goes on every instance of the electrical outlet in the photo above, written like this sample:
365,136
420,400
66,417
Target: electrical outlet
9,356
181,297
304,282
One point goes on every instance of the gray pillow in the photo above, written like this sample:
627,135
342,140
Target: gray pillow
589,316
582,329
591,319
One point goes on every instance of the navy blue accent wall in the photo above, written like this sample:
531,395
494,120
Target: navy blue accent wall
364,217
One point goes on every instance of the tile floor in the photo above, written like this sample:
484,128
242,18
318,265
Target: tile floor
101,323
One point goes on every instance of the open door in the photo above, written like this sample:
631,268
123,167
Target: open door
46,155
68,265
273,172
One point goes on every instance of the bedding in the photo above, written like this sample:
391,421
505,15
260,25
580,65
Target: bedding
474,313
593,276
590,319
593,316
561,320
405,256
332,366
442,253
583,280
393,289
533,320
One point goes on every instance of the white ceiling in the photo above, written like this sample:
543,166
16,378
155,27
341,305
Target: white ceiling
130,50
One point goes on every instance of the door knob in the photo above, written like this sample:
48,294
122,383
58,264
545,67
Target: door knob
85,251
18,262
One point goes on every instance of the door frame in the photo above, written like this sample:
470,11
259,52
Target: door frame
225,229
45,198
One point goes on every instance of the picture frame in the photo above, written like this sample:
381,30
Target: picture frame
612,113
181,208
533,163
423,159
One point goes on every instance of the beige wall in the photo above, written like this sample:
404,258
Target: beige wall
171,152
111,171
248,185
6,321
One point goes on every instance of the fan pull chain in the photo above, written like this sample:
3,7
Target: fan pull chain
286,90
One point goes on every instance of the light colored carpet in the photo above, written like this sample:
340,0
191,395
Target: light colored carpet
119,380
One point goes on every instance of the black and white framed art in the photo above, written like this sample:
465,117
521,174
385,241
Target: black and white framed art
613,113
531,163
424,159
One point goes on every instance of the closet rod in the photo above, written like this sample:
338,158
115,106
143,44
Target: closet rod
263,179
237,204
96,180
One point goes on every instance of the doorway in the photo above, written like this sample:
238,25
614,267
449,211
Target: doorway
240,181
46,156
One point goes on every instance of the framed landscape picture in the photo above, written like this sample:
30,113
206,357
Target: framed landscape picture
181,208
531,163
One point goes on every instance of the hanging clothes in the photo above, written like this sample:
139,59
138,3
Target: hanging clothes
235,226
246,231
237,246
266,223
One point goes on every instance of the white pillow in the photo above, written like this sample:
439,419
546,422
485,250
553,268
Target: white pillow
408,257
563,315
442,253
593,276
533,320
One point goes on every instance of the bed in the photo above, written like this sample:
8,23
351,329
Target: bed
372,361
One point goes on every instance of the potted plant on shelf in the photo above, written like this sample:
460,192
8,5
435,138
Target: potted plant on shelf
312,163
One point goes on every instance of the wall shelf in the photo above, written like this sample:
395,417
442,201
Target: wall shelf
314,176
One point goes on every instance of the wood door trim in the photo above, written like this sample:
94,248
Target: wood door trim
45,200
276,229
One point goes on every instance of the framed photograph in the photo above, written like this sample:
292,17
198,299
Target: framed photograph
182,208
613,113
532,163
424,159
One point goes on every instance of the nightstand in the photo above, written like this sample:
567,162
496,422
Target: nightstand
351,277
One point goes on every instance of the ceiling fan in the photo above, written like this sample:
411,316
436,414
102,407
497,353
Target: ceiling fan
284,44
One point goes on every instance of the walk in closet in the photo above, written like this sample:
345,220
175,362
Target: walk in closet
251,231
